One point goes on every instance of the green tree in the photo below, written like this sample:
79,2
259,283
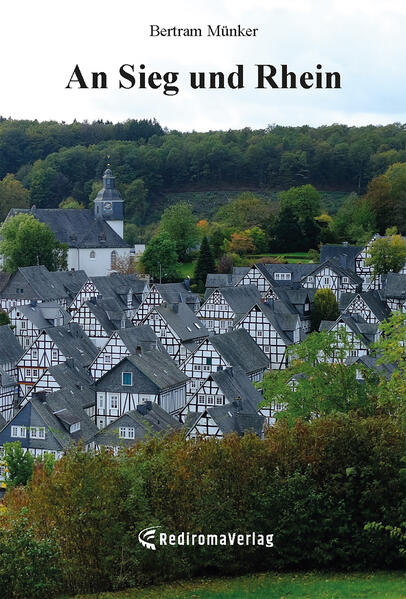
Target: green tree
258,238
28,242
305,201
4,319
71,204
160,258
387,254
245,211
317,380
179,223
325,307
136,201
286,232
204,266
12,195
20,464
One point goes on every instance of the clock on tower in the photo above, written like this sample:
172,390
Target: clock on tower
109,204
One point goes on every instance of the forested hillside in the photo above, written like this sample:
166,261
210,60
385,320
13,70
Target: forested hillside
56,160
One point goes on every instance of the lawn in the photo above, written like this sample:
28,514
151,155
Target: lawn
385,585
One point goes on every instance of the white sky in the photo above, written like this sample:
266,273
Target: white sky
365,40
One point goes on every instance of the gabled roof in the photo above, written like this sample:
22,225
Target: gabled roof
239,417
181,319
240,299
140,337
216,280
109,313
343,254
234,383
238,348
73,342
3,422
10,347
70,375
77,228
175,293
335,266
282,321
373,301
147,420
4,279
154,371
44,314
358,325
372,362
45,286
297,271
394,286
67,408
72,280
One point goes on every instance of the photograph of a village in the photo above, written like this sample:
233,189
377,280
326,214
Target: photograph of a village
203,319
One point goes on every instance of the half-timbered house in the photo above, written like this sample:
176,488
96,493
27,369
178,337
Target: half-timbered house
178,329
236,417
146,420
10,353
53,346
360,334
99,318
223,387
29,320
169,293
394,291
146,376
50,424
236,348
225,306
330,275
297,302
122,343
266,277
367,304
32,283
272,331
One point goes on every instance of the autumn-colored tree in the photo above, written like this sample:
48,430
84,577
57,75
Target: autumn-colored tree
203,227
241,243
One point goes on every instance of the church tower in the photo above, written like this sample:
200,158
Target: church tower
109,205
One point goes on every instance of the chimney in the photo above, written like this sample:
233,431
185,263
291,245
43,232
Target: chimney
69,362
33,303
40,395
142,409
138,350
187,283
175,308
123,322
345,243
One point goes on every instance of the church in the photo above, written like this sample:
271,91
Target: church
94,237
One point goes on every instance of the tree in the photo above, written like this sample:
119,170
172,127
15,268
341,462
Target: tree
71,204
160,258
305,201
225,264
258,238
28,242
241,243
4,319
204,266
325,307
12,195
387,254
179,223
318,381
136,201
20,464
246,211
125,265
287,233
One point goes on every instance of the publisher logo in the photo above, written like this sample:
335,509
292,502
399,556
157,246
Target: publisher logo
252,539
147,536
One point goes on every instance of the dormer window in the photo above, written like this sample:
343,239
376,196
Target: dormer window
283,276
74,427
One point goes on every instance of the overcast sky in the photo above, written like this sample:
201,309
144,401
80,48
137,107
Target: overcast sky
365,40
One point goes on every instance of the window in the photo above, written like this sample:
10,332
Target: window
54,354
107,359
35,373
201,398
74,427
23,324
307,307
283,276
27,342
127,378
126,432
259,333
326,281
345,279
210,324
208,361
193,384
198,367
100,401
210,399
92,255
267,349
219,400
37,432
310,279
113,258
114,402
19,431
28,373
223,324
35,354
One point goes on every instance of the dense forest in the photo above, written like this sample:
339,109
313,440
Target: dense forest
57,160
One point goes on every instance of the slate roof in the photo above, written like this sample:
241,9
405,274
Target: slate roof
174,293
154,372
70,375
297,271
4,279
45,286
77,228
183,321
3,422
234,383
371,362
394,286
371,298
343,254
10,347
73,342
109,313
44,314
240,299
283,322
142,336
357,324
238,417
238,348
216,280
72,280
148,419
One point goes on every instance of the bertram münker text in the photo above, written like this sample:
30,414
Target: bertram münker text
211,31
267,76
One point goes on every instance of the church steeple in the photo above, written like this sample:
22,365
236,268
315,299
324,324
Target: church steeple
109,204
